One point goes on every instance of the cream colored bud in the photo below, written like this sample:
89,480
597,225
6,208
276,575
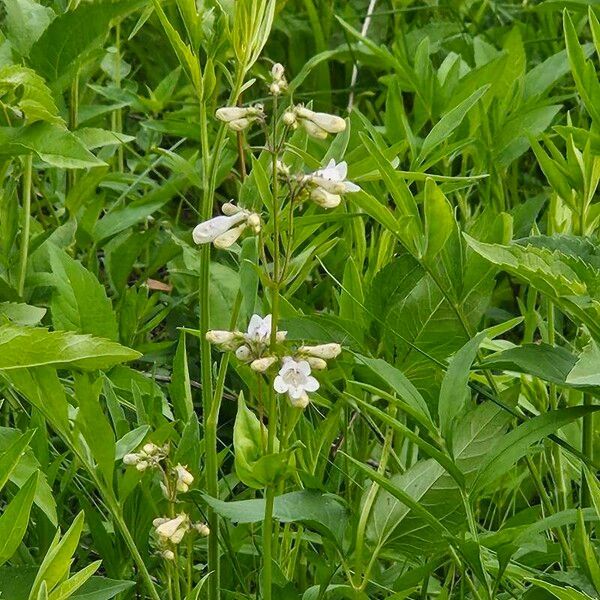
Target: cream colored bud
301,402
219,337
131,459
280,336
277,71
184,478
227,239
325,351
159,521
289,118
232,113
260,365
243,353
168,554
142,465
173,529
202,529
275,89
324,199
240,124
230,209
150,449
314,130
253,222
318,364
325,121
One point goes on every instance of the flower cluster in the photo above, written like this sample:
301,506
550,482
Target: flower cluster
171,531
253,347
239,118
149,457
224,231
278,83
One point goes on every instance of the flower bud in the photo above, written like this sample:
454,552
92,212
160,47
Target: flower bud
150,449
229,209
325,199
277,71
142,465
168,554
325,351
219,337
318,364
301,402
202,529
325,121
243,353
227,239
260,365
131,459
254,222
289,118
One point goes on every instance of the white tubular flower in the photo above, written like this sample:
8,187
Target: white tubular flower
238,117
333,178
295,380
319,124
210,230
259,329
184,478
172,530
324,351
260,365
230,237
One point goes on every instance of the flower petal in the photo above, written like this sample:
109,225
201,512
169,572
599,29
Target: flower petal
279,385
311,384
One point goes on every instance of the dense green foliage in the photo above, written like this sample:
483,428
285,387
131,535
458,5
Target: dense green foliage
451,286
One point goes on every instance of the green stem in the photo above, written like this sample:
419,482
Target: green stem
268,543
27,172
587,447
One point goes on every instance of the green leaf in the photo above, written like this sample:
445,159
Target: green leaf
57,561
79,301
68,40
52,143
15,518
24,347
398,382
442,130
563,593
586,370
67,588
25,22
455,392
22,314
324,511
517,444
12,455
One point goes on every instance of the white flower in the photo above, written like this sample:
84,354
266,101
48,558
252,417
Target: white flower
184,478
259,329
210,230
172,530
319,124
295,380
220,337
324,351
230,237
238,117
332,178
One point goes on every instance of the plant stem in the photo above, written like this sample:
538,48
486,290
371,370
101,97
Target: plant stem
587,447
27,172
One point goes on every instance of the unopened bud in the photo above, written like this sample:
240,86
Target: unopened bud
243,353
260,365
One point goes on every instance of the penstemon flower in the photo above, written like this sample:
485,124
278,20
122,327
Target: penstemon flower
326,185
295,380
239,118
224,231
184,478
171,530
316,124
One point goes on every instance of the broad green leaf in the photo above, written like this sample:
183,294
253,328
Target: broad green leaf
22,314
52,143
25,347
79,301
15,519
66,43
586,370
517,444
324,511
25,22
180,388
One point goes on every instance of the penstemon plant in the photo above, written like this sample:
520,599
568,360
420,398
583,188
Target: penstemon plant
287,368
